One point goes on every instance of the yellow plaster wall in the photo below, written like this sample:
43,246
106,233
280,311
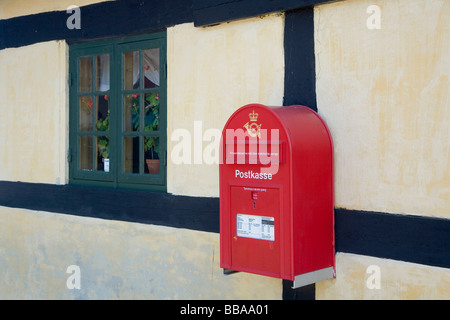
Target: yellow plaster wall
15,8
385,94
33,113
211,73
117,260
397,280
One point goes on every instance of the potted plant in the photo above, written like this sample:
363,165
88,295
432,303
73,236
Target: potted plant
102,125
151,123
151,144
102,141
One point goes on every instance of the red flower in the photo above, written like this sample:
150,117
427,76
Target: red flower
89,103
106,97
147,67
136,95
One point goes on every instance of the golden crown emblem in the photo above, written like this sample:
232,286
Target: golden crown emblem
253,129
253,116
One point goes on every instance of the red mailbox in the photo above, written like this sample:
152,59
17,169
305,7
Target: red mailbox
277,194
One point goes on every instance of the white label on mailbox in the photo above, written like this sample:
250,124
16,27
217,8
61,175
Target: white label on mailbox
256,227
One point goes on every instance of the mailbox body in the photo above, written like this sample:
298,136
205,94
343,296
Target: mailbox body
276,194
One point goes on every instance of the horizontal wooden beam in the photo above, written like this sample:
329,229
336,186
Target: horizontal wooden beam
407,238
98,21
210,12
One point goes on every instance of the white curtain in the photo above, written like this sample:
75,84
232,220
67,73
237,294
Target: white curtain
103,72
150,62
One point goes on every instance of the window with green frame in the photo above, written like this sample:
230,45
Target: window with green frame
118,112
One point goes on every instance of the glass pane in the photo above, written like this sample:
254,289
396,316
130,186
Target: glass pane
131,70
131,155
85,74
150,66
151,112
131,112
102,113
103,153
86,106
151,152
85,153
102,72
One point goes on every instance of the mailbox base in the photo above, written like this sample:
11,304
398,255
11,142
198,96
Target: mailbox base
229,271
313,277
302,280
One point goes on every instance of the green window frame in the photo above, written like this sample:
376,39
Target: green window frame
118,113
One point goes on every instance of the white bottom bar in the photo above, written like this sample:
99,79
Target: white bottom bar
312,277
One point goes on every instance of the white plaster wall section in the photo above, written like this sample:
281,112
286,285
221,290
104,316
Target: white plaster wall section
385,95
211,73
34,113
117,260
398,280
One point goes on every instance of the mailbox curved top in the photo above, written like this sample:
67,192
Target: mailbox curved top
304,129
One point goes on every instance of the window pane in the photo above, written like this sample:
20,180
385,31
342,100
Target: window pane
131,112
85,74
103,153
85,153
131,74
102,113
131,155
150,66
86,107
102,72
151,152
151,111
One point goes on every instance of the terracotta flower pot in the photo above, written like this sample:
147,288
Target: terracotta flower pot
153,166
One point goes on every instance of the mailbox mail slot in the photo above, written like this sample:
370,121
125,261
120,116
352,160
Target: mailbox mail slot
276,194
